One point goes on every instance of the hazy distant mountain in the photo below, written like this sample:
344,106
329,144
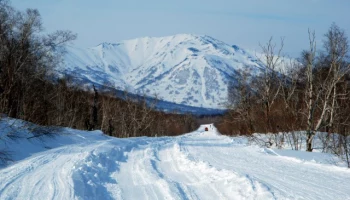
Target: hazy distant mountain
186,69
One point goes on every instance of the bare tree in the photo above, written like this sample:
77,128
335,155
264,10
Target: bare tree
309,57
291,121
26,58
270,83
322,95
241,101
336,46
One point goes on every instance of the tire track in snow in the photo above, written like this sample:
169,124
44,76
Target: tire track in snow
183,191
283,178
257,188
93,175
148,180
26,180
198,165
57,174
202,176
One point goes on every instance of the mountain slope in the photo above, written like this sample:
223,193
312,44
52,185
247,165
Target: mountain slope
186,69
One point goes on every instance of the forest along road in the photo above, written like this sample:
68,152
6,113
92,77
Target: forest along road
198,165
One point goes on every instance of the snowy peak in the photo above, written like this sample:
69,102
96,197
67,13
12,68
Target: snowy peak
185,68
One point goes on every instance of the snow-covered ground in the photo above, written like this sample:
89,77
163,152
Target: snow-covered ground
200,165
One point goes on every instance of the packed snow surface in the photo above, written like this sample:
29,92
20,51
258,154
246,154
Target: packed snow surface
199,165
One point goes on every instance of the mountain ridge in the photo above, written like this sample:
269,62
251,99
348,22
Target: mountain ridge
187,69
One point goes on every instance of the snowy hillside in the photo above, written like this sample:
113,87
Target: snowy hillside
200,165
186,69
284,63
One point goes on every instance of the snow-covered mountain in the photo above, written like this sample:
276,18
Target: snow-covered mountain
186,69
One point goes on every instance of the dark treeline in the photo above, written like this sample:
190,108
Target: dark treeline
29,90
310,94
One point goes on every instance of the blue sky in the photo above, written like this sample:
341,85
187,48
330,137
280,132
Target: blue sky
245,22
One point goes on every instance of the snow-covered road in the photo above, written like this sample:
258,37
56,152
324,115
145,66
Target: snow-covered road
198,165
